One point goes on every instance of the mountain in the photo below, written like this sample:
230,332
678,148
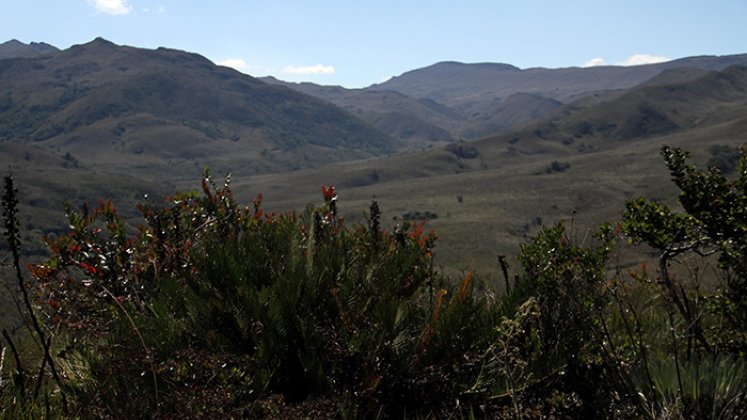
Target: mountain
452,101
470,88
113,121
511,112
578,163
17,49
675,102
168,112
416,121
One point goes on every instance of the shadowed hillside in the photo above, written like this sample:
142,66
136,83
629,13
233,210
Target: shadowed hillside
415,121
172,112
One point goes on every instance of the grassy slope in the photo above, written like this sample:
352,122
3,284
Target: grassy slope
416,121
506,190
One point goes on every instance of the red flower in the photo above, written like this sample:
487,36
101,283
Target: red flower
257,202
80,325
53,303
329,193
88,267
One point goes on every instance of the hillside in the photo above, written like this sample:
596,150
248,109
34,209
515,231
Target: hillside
77,120
511,112
415,121
673,103
490,200
171,113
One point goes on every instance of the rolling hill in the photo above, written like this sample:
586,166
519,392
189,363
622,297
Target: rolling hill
105,120
417,122
490,200
166,112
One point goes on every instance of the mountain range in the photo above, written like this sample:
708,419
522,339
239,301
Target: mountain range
481,99
494,150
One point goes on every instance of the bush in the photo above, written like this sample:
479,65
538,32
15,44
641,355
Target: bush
224,310
557,166
724,157
462,151
244,304
416,215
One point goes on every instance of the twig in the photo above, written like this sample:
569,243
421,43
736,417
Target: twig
20,376
10,209
148,354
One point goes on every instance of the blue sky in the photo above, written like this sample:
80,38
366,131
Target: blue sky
356,43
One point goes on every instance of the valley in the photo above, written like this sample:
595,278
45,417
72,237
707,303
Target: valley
385,210
491,150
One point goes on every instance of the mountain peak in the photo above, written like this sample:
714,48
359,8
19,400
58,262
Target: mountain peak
12,43
17,49
99,41
484,66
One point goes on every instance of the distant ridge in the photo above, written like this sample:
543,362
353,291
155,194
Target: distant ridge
17,49
470,87
450,101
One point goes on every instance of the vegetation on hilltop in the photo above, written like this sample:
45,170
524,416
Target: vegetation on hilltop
218,309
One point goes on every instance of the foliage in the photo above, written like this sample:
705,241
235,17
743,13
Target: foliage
714,223
416,215
222,310
724,157
714,387
245,304
557,166
691,370
566,279
462,151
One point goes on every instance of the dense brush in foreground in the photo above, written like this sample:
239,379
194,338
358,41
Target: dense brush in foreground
214,309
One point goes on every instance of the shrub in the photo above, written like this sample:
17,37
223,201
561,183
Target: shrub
557,166
724,157
462,151
224,310
254,304
416,215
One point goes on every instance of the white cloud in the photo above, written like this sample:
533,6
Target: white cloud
318,69
241,65
235,63
596,61
639,59
111,7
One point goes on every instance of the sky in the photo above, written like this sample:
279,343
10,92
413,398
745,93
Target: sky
356,43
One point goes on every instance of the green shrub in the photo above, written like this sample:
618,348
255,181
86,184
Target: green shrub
224,310
291,304
724,157
557,166
462,151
